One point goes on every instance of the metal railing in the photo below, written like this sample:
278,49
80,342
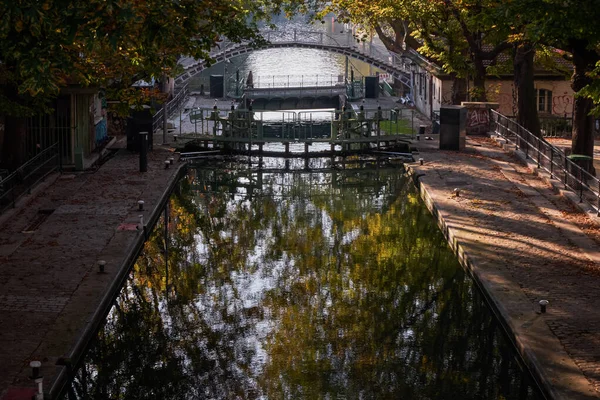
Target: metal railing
570,170
21,181
173,105
296,81
355,90
556,126
301,126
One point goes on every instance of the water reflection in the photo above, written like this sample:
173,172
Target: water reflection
283,283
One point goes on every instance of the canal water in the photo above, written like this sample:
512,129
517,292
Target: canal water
268,280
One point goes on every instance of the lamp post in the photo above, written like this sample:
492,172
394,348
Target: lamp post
225,79
413,69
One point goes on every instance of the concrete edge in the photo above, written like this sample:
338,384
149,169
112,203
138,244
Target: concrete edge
76,354
527,356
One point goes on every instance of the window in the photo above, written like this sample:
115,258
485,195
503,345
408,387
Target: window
544,100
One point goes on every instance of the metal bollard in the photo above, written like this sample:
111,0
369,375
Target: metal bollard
35,369
543,304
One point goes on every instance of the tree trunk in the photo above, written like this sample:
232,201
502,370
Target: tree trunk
478,93
583,123
459,90
13,149
527,115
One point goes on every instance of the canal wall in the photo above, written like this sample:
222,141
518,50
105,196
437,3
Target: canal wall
492,216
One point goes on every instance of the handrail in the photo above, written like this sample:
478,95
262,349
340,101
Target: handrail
551,159
173,105
24,178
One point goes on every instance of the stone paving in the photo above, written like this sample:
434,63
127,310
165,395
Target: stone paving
49,248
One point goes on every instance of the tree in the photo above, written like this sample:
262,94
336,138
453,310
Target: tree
455,34
47,45
564,25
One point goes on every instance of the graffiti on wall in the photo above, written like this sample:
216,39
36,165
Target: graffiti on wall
562,105
478,117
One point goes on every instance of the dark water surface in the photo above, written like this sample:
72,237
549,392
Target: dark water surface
284,283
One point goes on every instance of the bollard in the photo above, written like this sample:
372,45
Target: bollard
35,369
141,205
420,161
422,129
101,265
457,192
167,163
143,151
174,138
140,225
171,160
543,304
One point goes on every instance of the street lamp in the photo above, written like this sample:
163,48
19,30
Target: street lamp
413,69
225,79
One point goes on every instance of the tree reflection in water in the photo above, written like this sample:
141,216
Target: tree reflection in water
292,284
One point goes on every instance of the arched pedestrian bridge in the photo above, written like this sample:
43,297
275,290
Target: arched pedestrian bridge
342,42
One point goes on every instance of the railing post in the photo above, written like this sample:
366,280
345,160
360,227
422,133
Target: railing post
551,163
566,171
538,151
598,207
295,32
580,184
321,38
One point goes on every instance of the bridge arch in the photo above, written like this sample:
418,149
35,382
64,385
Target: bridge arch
375,58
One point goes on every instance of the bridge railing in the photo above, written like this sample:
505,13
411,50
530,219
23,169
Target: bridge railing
346,38
570,170
296,81
300,126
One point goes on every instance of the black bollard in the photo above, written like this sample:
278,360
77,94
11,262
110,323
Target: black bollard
143,151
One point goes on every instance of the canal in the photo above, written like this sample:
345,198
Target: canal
268,280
